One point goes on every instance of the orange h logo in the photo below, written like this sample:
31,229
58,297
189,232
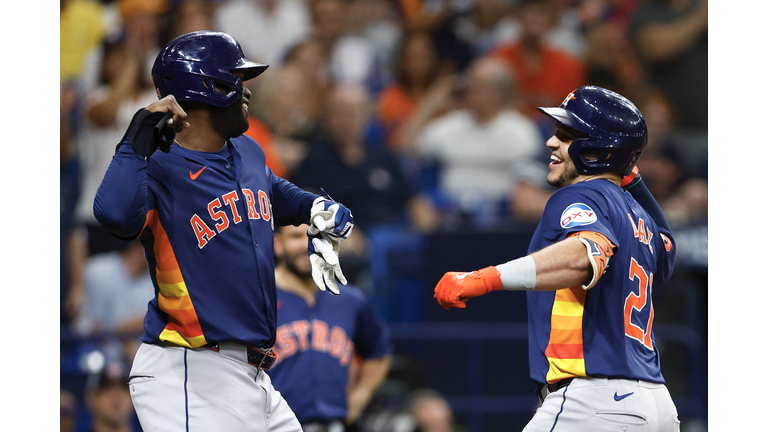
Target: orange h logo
567,98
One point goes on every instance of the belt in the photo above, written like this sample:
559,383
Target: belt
558,385
261,358
546,389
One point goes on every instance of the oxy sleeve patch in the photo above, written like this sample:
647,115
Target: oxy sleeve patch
577,214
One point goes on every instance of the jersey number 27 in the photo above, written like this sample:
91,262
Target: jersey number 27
639,303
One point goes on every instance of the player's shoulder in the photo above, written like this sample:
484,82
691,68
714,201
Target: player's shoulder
244,141
165,167
587,190
247,148
579,204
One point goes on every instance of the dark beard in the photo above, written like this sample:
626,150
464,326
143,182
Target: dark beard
228,122
565,178
290,264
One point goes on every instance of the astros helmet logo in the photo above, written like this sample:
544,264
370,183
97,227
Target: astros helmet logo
570,97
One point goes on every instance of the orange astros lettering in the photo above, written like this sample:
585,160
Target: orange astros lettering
195,175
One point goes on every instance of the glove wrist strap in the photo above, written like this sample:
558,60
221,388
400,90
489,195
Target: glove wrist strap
318,200
518,274
491,278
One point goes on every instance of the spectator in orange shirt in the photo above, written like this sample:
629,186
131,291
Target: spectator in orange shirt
288,104
261,133
417,71
543,73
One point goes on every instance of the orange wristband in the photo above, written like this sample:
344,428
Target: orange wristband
633,177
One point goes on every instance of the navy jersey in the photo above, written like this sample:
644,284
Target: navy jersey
607,330
206,221
316,346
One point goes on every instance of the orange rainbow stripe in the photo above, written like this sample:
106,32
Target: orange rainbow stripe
183,327
565,351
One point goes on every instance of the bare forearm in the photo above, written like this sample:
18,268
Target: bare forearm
104,112
438,99
370,376
663,41
77,246
372,373
564,264
561,265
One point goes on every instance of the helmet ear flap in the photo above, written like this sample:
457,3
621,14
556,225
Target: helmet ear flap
584,155
219,87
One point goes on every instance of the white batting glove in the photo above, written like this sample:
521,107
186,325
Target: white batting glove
331,217
324,257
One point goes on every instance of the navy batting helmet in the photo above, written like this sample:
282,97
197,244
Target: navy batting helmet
615,129
199,67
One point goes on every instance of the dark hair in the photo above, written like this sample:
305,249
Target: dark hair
111,43
400,75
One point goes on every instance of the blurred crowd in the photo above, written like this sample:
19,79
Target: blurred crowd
419,115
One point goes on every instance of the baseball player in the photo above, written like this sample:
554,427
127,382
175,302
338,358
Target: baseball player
204,208
319,339
601,248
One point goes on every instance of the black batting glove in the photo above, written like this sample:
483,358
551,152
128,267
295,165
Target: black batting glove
149,131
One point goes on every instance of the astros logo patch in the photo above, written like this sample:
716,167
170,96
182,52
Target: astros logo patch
577,214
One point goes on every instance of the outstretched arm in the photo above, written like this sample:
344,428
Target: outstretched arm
561,265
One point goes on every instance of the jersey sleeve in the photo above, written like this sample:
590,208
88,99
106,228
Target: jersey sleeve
290,204
121,203
643,196
372,338
573,209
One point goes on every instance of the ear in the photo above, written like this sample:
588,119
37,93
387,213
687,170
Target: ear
157,92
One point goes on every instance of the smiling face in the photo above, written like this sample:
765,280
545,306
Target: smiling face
562,170
245,99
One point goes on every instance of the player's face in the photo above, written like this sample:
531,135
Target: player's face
562,170
293,243
232,121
